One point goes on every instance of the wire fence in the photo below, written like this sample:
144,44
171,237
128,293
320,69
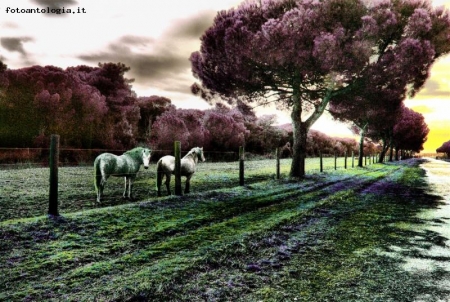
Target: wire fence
24,185
17,158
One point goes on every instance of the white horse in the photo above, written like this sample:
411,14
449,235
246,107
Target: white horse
166,166
126,165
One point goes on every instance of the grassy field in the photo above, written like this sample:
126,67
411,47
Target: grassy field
325,238
24,192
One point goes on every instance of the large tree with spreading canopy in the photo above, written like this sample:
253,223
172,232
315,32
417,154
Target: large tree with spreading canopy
303,54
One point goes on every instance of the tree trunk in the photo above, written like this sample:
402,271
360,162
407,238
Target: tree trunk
383,152
300,133
300,129
391,154
361,145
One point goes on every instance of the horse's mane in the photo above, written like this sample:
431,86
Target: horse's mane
135,151
192,152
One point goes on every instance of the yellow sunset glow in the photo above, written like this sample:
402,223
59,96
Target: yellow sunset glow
433,101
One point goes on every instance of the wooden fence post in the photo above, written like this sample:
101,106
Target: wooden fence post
321,161
335,161
278,162
345,160
353,159
177,149
241,165
54,161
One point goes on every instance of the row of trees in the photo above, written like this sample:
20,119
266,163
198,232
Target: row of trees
223,128
360,58
87,106
95,107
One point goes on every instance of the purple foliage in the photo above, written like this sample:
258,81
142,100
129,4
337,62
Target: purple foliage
445,148
410,131
87,106
311,53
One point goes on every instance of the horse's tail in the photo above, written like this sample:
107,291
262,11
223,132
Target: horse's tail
97,174
158,175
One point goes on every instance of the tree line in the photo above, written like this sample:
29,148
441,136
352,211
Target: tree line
89,107
95,107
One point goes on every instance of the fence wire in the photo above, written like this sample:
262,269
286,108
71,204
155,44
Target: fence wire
24,187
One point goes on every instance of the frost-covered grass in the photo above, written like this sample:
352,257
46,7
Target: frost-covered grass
24,192
320,239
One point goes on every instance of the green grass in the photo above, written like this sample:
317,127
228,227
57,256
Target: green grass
314,240
24,192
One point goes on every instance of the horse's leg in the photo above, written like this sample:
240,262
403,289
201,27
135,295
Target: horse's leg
188,184
168,183
99,190
98,179
130,188
159,177
125,189
101,187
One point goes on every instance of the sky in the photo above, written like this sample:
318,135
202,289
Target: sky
156,38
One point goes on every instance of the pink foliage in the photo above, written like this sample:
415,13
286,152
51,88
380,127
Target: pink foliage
306,54
410,131
420,23
226,129
167,129
150,108
445,148
68,103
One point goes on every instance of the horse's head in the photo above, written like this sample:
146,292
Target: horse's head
146,154
199,152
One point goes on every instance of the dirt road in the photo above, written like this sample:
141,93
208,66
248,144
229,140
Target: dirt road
430,258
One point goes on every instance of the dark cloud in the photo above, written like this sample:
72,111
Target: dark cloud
15,44
163,68
162,63
136,40
194,27
55,4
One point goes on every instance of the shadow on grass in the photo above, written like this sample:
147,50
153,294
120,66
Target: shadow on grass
370,245
339,243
